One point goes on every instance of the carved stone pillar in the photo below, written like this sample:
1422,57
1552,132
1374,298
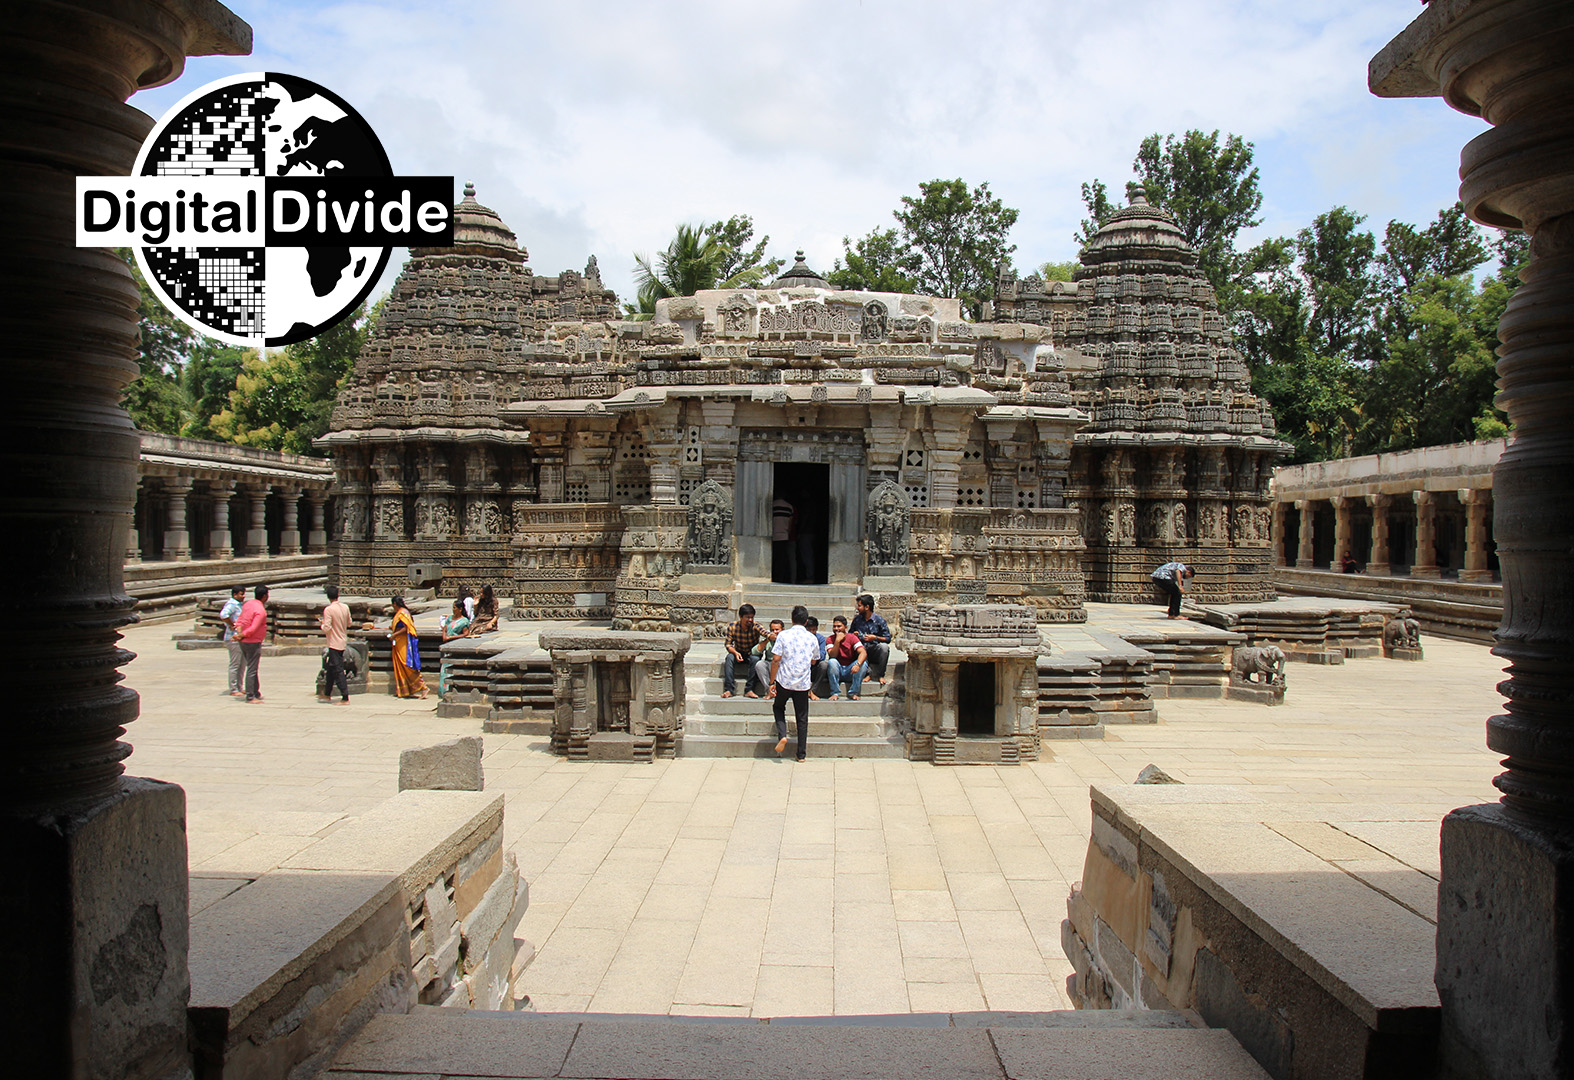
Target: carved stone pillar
177,540
1281,512
1377,564
290,534
1303,553
133,534
1477,502
1424,565
257,533
97,894
1342,528
317,532
1505,933
220,544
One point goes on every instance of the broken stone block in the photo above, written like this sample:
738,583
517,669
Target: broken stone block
454,765
1152,774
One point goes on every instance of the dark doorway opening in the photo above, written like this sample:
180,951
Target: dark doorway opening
806,489
975,699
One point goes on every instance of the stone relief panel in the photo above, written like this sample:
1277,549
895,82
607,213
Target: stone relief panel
710,525
888,521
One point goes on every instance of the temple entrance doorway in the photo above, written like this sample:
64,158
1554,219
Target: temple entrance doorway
806,487
975,699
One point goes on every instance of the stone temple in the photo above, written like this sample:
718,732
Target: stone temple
516,429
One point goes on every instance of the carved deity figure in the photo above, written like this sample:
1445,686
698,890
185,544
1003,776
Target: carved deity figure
710,524
1178,524
734,315
888,517
1159,523
876,324
1128,522
1243,531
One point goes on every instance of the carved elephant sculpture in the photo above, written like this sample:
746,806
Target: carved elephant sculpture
1400,632
1266,662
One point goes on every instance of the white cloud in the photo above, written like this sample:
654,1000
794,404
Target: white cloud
596,128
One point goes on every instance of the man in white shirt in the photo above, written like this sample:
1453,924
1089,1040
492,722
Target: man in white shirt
229,613
796,650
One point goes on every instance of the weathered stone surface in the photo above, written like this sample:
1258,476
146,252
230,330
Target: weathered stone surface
497,914
1152,774
454,765
1141,1054
415,835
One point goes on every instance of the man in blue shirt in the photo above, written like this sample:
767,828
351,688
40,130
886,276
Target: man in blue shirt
1172,579
875,635
228,613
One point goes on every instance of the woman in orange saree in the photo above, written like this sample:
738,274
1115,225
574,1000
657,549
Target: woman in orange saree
406,653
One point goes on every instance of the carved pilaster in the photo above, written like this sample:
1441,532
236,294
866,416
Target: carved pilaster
1378,562
1304,547
221,545
317,533
257,532
1478,505
177,540
290,532
1342,527
1424,565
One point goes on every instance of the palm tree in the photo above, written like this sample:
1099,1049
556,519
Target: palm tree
714,256
691,263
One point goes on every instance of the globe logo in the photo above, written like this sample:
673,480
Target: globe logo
262,209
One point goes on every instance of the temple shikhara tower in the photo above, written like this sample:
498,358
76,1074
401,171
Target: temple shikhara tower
515,429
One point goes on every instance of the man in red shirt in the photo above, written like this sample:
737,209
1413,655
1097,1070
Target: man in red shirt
252,626
847,659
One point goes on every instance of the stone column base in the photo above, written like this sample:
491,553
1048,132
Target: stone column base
1475,575
1305,564
1426,571
1505,935
1378,570
98,902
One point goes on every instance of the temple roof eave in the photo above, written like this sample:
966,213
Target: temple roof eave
354,436
1277,447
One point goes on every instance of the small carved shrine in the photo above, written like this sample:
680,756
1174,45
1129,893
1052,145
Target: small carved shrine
617,695
972,683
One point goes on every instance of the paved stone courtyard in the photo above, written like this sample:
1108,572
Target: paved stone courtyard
761,887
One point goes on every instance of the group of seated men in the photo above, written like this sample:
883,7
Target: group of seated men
849,654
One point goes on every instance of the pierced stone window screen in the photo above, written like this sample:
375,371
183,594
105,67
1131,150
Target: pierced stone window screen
917,494
973,453
633,492
1027,499
634,451
576,491
685,488
914,459
972,496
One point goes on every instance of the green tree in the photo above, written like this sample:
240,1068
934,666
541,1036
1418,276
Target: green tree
714,256
284,400
958,238
1209,186
1337,265
877,263
1449,247
1058,271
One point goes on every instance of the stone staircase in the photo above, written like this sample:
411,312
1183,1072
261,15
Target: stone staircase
742,726
923,1046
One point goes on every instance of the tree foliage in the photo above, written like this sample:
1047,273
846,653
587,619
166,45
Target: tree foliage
714,256
1363,348
1210,188
283,400
877,263
950,241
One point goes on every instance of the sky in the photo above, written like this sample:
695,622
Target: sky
598,128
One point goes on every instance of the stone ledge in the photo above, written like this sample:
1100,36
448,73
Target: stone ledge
1306,940
414,836
978,1046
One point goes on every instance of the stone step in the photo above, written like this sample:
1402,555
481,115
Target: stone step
747,706
977,1046
765,725
710,686
749,746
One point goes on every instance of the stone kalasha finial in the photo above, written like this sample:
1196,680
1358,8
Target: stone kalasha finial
469,189
1139,195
